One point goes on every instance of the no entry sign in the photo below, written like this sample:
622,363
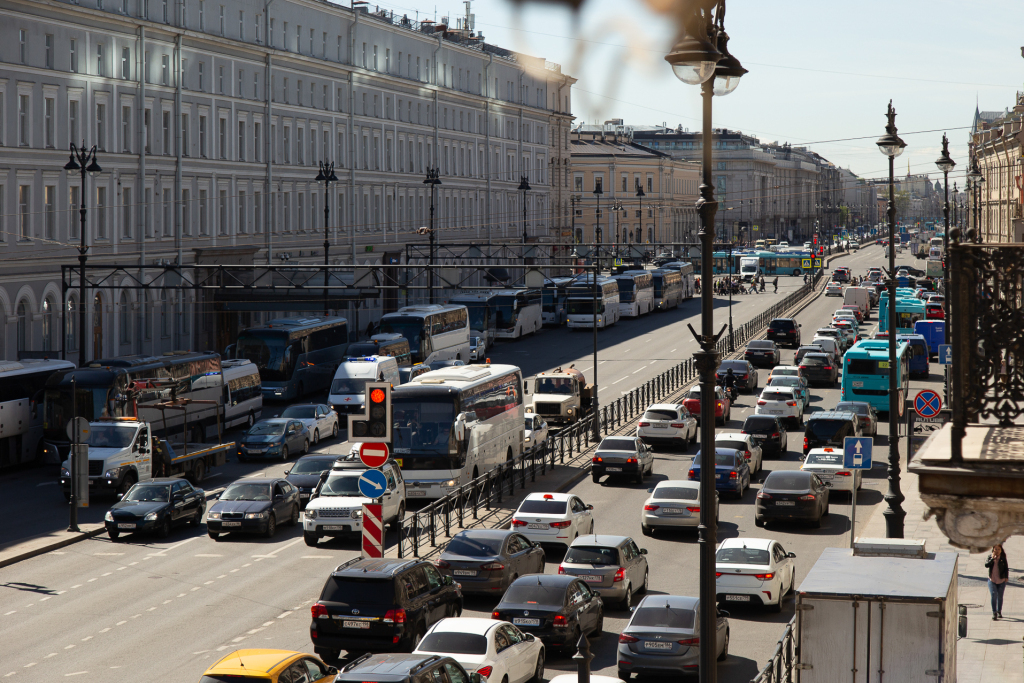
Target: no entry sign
373,454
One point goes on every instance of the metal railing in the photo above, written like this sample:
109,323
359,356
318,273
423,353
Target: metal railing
781,668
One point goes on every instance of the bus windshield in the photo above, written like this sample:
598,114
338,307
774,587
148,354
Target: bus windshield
91,404
584,306
408,327
505,312
270,352
478,314
551,298
424,423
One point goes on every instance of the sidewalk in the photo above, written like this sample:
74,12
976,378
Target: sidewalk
38,545
991,652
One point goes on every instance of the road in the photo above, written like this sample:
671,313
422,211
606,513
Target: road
136,608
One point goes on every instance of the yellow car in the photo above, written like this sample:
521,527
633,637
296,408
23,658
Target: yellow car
272,666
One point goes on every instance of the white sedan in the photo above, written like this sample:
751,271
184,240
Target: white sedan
827,463
754,571
783,402
320,419
496,650
834,289
744,443
536,431
553,518
669,423
673,504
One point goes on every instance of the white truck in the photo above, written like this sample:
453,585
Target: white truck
750,267
561,397
884,611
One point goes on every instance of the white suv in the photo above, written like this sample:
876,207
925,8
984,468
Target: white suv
782,402
667,423
336,506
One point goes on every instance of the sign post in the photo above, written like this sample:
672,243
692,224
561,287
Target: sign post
856,456
78,466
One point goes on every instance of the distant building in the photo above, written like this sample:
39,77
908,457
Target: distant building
996,143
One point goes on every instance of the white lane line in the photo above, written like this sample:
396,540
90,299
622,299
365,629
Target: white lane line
196,588
106,554
45,599
120,568
166,601
638,370
238,639
618,380
107,574
181,595
11,612
92,579
69,647
130,564
222,647
121,622
234,570
207,555
284,614
86,638
29,666
76,673
222,576
151,609
77,585
284,547
173,547
601,362
52,654
254,630
672,351
317,557
200,652
267,623
206,584
104,630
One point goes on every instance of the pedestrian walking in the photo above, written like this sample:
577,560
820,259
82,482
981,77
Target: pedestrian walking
998,573
369,329
762,284
775,283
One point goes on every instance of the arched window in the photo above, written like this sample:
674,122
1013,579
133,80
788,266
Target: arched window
22,313
122,320
48,313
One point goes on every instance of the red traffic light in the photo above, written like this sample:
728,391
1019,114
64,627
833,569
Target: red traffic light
377,396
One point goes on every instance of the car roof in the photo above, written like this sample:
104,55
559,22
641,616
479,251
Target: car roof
549,496
601,539
744,542
545,580
859,404
496,534
663,406
369,567
241,662
825,451
162,480
732,435
260,480
815,354
778,388
276,420
477,625
831,414
674,601
304,405
684,483
388,664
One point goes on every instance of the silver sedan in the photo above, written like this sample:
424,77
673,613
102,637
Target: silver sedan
673,504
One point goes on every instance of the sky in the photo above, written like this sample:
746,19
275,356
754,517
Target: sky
821,71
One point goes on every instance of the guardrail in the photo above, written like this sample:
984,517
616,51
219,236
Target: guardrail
431,525
781,668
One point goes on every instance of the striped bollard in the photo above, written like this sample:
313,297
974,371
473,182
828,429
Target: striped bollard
373,531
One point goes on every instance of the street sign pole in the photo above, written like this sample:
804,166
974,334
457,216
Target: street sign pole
856,456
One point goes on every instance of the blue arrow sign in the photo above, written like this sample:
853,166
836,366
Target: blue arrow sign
857,452
945,354
372,484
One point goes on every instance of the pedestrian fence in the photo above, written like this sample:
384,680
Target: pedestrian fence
781,668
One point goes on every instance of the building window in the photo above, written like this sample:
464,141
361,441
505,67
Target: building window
166,126
287,145
126,211
222,19
126,63
202,136
74,56
167,218
203,213
184,135
241,140
241,25
22,312
202,77
165,70
222,140
300,157
48,41
101,213
147,130
23,45
220,79
257,134
74,206
24,214
100,71
222,211
126,129
257,212
124,329
50,212
300,197
202,15
186,212
286,206
23,120
255,86
48,123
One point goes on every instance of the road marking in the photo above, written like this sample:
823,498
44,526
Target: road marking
166,601
52,654
76,673
247,564
69,647
130,564
200,652
267,623
238,639
77,585
121,622
275,552
173,547
206,584
254,630
106,554
234,570
672,351
317,557
618,380
638,370
222,576
45,599
222,647
181,595
136,616
196,588
29,666
208,555
92,579
105,630
86,638
107,574
282,616
601,362
11,612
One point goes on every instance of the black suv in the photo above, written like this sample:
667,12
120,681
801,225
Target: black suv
770,432
830,428
380,605
392,668
784,331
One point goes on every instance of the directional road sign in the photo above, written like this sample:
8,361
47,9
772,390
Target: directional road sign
927,403
372,484
946,354
373,454
857,452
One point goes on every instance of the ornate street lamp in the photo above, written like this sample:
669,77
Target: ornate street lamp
892,146
324,178
524,187
976,180
945,164
433,179
598,235
701,57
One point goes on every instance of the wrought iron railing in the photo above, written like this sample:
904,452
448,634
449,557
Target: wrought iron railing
781,668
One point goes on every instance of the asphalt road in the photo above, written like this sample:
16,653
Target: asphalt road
140,608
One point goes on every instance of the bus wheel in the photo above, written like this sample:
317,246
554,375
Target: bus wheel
250,420
796,272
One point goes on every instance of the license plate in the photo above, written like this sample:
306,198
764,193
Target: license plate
125,526
672,511
737,598
784,502
231,524
826,477
858,385
613,469
257,450
649,645
719,476
660,426
414,493
334,527
464,572
355,624
593,579
303,495
775,412
536,526
520,621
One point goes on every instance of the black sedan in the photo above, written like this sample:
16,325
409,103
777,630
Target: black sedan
555,608
488,560
254,506
277,438
763,352
744,372
305,474
770,433
155,506
819,369
791,495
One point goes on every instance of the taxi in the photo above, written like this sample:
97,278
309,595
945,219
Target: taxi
272,666
827,463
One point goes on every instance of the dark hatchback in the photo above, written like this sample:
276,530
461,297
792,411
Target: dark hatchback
555,608
744,372
791,495
254,506
155,506
732,473
763,352
401,668
830,428
771,433
277,438
819,369
380,605
487,560
305,474
784,331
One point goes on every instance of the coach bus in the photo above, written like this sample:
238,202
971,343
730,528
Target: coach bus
581,302
435,331
866,373
481,314
455,424
22,386
516,312
668,288
555,299
636,293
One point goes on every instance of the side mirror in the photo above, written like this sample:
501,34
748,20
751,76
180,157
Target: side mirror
790,555
643,551
650,490
278,496
332,671
530,637
723,613
590,507
460,426
447,580
827,484
287,472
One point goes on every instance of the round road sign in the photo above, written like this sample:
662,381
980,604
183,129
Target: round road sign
373,454
927,403
372,484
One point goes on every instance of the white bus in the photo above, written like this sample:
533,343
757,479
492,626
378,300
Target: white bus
435,332
668,288
636,293
555,296
516,312
687,274
455,424
481,314
243,392
581,302
21,409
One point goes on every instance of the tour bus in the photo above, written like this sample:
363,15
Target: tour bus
243,402
687,273
456,424
554,310
668,288
516,312
481,314
866,373
908,311
22,385
435,331
581,302
129,386
393,345
636,293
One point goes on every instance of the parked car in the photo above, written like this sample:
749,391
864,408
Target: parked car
673,504
820,369
770,431
866,415
319,419
254,506
555,608
762,352
746,375
612,566
276,437
273,666
494,650
791,495
784,331
723,406
667,423
732,473
663,637
626,456
155,506
489,560
754,571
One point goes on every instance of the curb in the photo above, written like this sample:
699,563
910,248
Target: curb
52,546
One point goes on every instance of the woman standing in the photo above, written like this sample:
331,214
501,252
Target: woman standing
998,573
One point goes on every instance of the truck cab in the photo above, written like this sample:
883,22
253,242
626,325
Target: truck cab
560,397
120,454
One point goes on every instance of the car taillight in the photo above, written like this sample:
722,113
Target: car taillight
692,474
643,424
620,575
718,575
519,522
319,611
597,460
809,496
765,577
718,404
623,638
746,454
651,508
630,461
394,616
843,474
485,671
492,566
827,367
678,425
733,475
776,435
744,377
696,509
689,641
805,443
561,569
763,496
559,525
762,403
441,564
561,621
791,403
495,615
803,367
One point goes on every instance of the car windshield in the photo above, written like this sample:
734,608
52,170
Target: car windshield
299,412
728,443
824,429
861,408
246,492
452,643
553,385
660,414
470,546
814,359
786,481
543,507
743,556
735,365
662,617
312,465
155,493
617,445
534,594
111,435
824,459
343,485
759,345
760,425
784,381
726,459
267,429
528,423
675,493
782,372
350,385
776,396
355,590
694,393
592,555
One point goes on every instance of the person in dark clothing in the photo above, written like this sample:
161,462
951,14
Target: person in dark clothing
369,329
775,283
998,573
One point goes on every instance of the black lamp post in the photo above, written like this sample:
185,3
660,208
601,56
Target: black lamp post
325,177
598,236
701,57
83,161
619,235
640,205
433,179
976,180
945,164
892,146
524,187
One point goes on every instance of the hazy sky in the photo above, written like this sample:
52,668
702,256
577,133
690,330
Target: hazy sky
820,70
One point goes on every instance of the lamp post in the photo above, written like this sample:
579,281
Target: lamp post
945,164
976,180
325,177
615,208
892,146
598,237
433,179
83,161
701,57
639,206
524,187
573,199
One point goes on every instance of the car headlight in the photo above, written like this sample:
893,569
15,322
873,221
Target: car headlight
449,483
109,517
213,515
64,473
255,515
274,447
151,517
527,439
310,514
112,473
356,514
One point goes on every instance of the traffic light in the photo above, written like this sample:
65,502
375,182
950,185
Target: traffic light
374,426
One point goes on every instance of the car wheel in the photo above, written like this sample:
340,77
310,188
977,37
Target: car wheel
113,534
538,670
825,513
214,535
164,530
627,602
647,583
596,479
198,517
640,475
758,522
284,453
250,420
334,430
816,524
417,637
316,436
310,539
396,523
126,483
777,607
305,446
271,526
725,647
599,626
646,530
624,675
293,519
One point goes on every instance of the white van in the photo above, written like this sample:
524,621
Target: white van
860,297
347,389
750,267
243,392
